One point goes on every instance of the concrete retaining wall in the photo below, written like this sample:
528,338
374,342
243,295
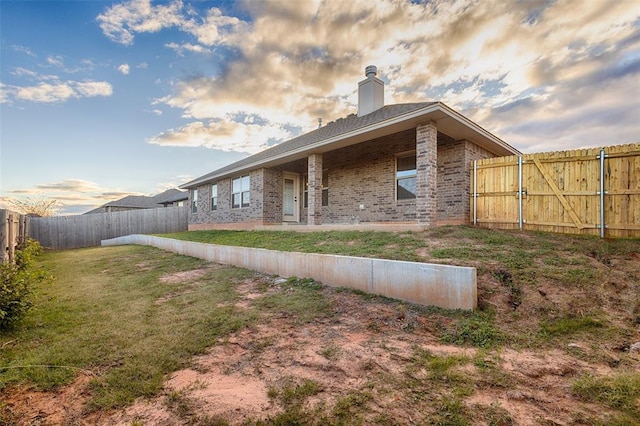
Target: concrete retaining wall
450,287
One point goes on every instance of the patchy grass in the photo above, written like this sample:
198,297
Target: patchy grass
530,283
567,326
292,392
111,317
477,329
301,298
620,391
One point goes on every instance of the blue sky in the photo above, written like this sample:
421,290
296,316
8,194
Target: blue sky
99,100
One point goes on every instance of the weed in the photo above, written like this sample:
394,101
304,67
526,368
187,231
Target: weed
293,416
620,391
294,392
301,298
453,253
477,330
179,403
491,375
7,417
450,412
439,368
349,406
494,415
331,352
568,325
260,345
211,421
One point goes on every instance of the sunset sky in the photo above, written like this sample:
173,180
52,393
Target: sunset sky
99,100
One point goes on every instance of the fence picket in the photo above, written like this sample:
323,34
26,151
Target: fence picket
562,191
67,232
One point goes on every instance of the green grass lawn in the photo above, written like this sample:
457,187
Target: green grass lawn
109,315
447,244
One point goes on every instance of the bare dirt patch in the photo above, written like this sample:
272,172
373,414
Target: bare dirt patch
62,406
184,276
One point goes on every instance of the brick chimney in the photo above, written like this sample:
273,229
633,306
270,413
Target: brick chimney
370,92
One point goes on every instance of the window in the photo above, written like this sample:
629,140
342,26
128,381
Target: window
214,196
325,189
240,194
194,201
406,177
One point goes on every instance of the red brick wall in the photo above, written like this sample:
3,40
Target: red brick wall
360,175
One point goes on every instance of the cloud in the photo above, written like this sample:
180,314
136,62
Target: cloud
181,48
69,185
45,93
94,88
23,49
124,69
215,29
76,195
174,183
225,135
25,73
119,22
5,95
516,68
54,92
56,61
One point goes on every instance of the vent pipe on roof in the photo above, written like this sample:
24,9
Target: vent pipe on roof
370,92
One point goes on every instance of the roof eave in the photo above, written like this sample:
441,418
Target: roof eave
395,124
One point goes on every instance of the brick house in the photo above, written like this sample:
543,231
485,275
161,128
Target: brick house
394,164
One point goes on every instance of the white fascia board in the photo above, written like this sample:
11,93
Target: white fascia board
472,125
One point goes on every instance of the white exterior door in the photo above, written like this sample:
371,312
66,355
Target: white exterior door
291,197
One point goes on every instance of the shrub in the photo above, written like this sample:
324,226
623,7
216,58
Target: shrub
16,284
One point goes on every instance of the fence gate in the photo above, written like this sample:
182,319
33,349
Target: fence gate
589,191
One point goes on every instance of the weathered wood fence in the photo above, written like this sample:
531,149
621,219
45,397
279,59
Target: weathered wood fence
587,191
67,232
13,231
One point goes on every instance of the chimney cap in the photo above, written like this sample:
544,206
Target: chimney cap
371,71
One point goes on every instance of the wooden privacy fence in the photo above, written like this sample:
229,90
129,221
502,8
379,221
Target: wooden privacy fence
586,191
67,232
13,231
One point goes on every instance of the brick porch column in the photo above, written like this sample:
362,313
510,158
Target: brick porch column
427,173
314,211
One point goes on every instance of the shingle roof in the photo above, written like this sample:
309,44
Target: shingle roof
145,202
330,130
134,201
171,196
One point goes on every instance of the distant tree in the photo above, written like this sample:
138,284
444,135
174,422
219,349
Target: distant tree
34,206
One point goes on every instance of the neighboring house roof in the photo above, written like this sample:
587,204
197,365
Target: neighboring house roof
174,196
143,201
353,129
134,202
